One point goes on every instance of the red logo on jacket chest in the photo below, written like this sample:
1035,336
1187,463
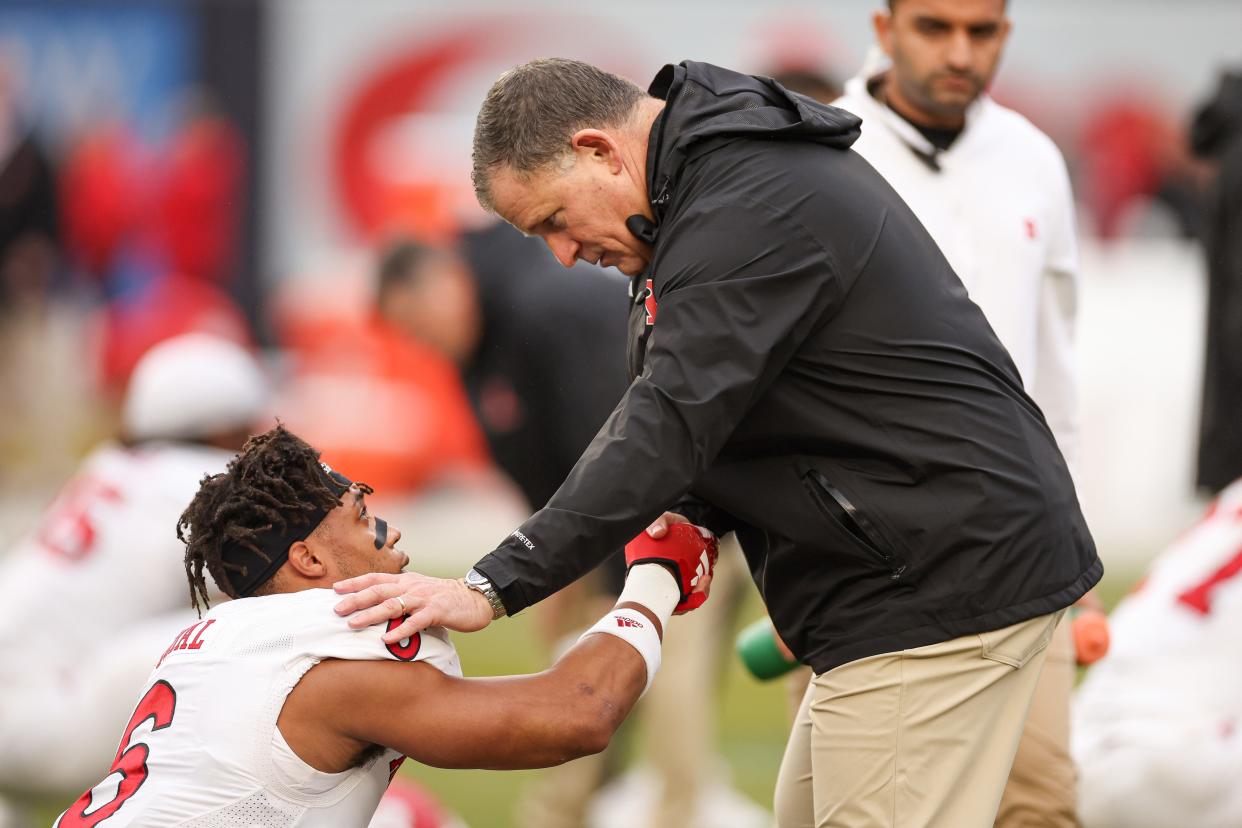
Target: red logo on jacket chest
650,302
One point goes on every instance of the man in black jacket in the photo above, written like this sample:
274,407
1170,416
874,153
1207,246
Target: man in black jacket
809,373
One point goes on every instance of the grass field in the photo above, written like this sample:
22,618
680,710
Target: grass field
752,716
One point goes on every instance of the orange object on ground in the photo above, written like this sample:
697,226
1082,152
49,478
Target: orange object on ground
1090,628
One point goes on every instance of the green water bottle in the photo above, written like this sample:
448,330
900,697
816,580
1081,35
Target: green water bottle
756,646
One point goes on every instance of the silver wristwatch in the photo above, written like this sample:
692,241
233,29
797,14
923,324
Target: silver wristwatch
477,581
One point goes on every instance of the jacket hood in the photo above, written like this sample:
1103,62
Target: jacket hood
1220,119
706,102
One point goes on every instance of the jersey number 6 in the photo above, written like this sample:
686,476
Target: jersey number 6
158,704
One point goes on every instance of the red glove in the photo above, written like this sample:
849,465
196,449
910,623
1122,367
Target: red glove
686,550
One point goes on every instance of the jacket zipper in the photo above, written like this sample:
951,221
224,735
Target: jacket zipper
854,521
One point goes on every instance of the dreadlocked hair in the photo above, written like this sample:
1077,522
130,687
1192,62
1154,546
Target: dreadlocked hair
275,481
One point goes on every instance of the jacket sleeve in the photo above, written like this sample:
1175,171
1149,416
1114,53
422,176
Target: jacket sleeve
1055,383
739,286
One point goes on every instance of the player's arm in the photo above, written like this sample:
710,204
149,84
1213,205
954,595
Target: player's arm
501,723
342,707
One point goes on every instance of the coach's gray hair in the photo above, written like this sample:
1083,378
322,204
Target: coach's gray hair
531,113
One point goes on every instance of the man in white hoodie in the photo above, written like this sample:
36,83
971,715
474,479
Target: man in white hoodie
994,193
987,184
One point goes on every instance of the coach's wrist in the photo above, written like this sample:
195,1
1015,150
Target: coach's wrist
478,604
481,585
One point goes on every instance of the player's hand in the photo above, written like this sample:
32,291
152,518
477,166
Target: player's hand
426,602
688,551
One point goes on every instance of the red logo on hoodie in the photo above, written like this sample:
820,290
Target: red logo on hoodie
650,303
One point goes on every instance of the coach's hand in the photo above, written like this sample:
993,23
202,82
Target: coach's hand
689,552
659,528
425,602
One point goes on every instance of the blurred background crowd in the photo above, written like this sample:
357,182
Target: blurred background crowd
291,176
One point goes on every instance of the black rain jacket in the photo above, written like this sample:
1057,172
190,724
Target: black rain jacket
814,377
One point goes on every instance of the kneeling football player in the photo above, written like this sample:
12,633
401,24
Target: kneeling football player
271,710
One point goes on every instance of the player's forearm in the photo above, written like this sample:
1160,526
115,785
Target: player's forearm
574,708
565,712
568,711
593,688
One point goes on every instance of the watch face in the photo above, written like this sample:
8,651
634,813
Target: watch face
476,578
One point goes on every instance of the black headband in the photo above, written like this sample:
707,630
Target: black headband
274,543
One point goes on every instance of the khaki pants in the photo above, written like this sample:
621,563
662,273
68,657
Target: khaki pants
1043,786
1042,791
921,737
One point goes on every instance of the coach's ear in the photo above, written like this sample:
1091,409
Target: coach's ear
600,146
304,561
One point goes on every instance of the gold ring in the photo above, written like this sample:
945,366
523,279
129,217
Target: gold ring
401,601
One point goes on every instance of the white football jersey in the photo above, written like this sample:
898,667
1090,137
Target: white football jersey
202,749
106,548
107,553
1173,665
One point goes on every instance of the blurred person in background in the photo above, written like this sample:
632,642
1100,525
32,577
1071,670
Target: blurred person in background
107,546
114,294
1217,135
29,223
535,346
994,193
1157,724
536,350
167,261
1136,174
103,201
416,429
46,425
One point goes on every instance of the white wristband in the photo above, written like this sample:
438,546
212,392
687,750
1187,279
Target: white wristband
635,629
